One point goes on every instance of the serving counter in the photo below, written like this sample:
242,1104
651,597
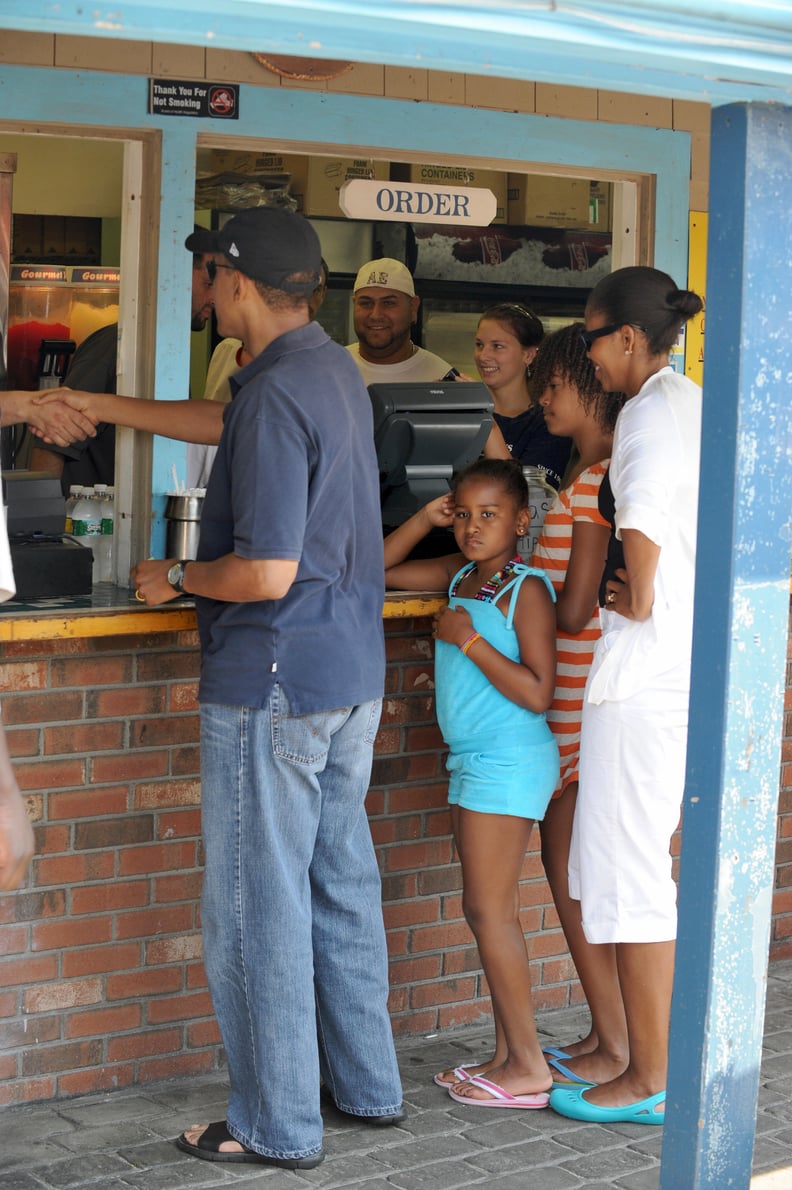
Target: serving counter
114,611
101,981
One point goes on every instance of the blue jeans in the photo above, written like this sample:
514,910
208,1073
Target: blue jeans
294,942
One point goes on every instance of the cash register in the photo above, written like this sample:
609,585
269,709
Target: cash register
424,432
46,562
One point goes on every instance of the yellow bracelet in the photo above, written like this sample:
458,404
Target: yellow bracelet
471,640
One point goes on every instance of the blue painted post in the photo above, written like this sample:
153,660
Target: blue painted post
739,653
173,310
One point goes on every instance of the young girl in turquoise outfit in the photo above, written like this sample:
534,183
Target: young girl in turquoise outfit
495,676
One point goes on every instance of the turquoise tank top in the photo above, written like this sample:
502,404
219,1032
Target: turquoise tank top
473,715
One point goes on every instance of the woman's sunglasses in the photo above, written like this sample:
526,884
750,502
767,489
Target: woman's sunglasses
589,337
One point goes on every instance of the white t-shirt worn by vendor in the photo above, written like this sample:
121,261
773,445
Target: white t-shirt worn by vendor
422,365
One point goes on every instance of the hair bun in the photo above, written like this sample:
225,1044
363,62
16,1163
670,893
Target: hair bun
686,302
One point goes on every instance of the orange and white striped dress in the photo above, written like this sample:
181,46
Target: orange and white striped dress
578,502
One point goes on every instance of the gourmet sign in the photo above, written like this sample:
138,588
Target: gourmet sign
408,202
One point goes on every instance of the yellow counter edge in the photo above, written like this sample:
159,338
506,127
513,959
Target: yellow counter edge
79,625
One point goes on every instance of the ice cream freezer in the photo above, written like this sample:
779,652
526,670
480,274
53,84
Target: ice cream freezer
51,310
461,272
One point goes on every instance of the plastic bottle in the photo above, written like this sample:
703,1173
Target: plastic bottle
105,574
75,491
87,523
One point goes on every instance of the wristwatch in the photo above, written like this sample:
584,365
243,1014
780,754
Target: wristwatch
175,575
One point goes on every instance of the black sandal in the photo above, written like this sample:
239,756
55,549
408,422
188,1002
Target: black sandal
214,1135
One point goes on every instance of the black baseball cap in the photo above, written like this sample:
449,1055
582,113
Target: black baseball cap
200,241
267,244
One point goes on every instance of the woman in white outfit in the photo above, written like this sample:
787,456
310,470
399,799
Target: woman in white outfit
634,727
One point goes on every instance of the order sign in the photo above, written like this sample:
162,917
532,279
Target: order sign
409,202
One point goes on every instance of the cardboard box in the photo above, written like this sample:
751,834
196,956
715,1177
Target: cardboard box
326,176
214,162
538,201
313,181
458,175
560,202
600,206
221,161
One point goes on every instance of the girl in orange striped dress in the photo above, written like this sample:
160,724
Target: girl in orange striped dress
571,550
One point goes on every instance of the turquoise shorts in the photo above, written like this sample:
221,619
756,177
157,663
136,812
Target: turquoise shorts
514,781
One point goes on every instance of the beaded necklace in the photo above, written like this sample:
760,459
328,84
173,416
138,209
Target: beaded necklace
491,587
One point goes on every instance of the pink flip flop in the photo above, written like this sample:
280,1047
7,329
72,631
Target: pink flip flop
460,1076
500,1098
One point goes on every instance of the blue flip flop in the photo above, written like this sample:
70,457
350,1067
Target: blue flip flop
569,1102
552,1051
567,1075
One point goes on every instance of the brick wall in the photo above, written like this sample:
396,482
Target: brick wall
101,981
436,978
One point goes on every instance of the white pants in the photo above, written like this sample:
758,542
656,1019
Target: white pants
632,775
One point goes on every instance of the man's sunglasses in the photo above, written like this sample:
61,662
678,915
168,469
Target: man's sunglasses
212,266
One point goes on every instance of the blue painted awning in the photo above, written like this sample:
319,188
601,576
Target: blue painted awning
715,51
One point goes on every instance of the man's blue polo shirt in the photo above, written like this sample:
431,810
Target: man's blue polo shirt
295,477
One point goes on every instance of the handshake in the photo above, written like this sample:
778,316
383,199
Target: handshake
60,416
56,416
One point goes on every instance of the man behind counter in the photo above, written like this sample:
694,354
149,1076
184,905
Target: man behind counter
385,306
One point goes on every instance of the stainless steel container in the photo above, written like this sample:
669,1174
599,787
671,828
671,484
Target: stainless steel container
183,516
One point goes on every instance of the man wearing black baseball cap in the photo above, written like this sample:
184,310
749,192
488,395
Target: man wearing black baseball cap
287,256
288,586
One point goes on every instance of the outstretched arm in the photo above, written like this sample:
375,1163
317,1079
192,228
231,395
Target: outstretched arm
186,421
54,421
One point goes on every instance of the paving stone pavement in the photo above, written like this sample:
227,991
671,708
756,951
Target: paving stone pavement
124,1140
